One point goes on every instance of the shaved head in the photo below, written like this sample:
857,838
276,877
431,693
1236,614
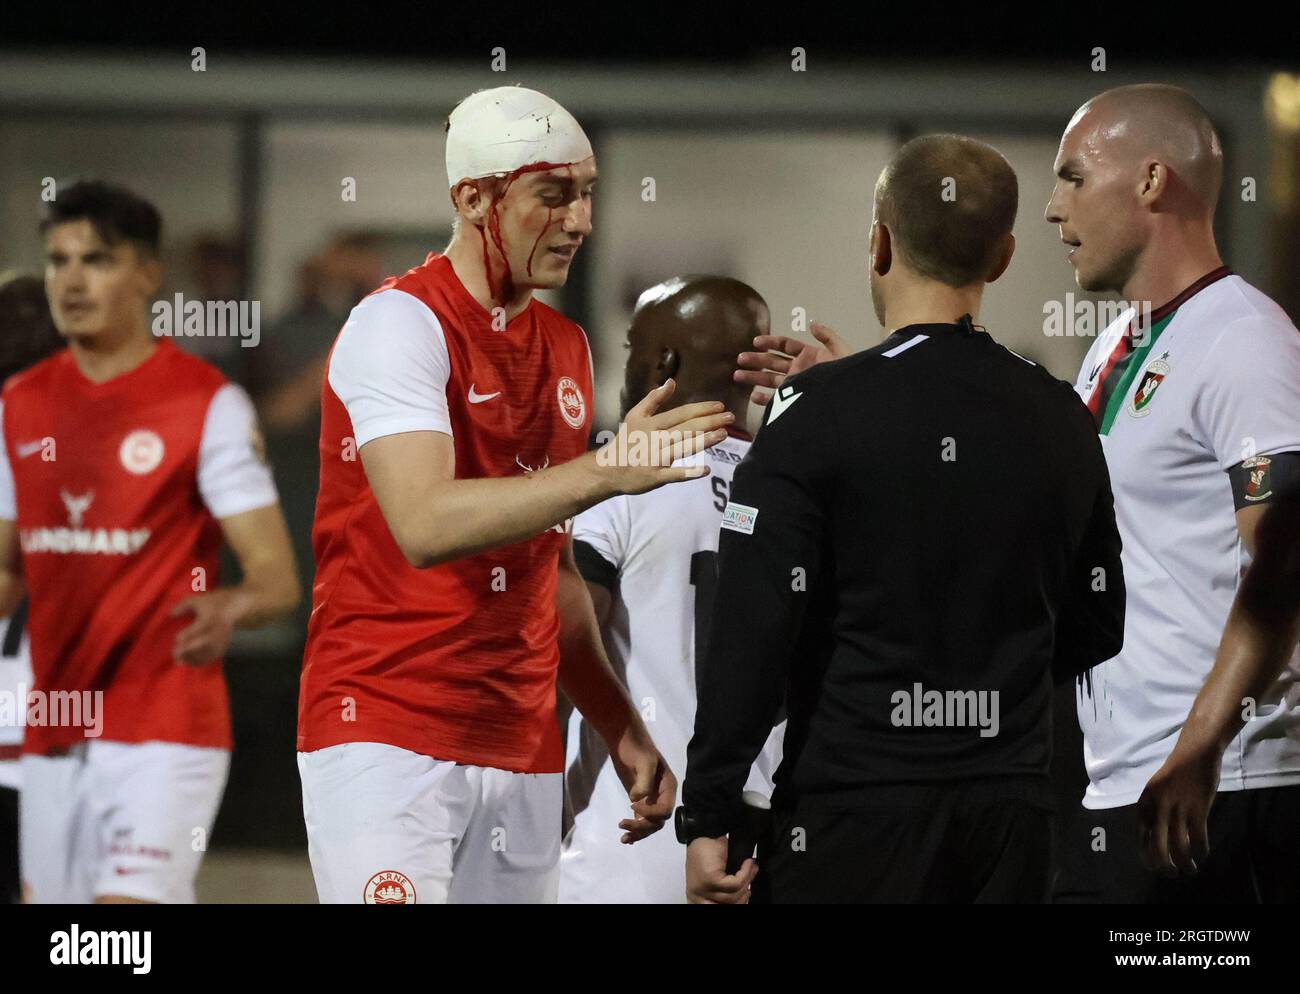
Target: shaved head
1155,120
690,328
1135,165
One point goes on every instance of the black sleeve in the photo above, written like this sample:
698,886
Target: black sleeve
1090,628
594,567
1260,479
769,558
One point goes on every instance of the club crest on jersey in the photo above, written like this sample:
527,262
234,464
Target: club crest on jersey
1152,377
389,887
572,405
1259,486
141,451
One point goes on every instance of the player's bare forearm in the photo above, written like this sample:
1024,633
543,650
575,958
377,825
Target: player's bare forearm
270,588
585,675
590,682
1260,635
469,516
12,587
1258,639
11,592
435,517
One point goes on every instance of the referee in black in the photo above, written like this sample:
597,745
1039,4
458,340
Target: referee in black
921,537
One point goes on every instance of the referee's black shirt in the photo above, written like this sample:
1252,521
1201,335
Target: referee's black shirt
931,515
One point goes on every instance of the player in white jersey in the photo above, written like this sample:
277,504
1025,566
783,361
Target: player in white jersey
1199,410
650,562
27,335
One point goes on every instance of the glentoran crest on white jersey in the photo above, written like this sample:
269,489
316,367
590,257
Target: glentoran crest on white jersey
1152,377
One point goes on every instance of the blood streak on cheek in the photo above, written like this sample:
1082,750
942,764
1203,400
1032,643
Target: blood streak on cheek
545,229
493,230
550,213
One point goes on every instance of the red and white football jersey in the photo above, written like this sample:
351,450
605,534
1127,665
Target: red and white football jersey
458,661
114,487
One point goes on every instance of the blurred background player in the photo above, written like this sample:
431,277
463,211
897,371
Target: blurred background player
650,562
1199,413
447,603
27,335
126,462
913,538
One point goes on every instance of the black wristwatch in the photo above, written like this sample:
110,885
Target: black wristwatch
691,826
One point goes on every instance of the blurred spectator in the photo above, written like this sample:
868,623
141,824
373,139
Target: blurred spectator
27,335
27,332
287,370
215,269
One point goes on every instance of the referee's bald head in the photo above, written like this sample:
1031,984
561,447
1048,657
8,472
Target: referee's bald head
949,203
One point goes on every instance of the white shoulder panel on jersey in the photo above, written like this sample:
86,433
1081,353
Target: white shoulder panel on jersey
1249,404
233,473
390,367
8,499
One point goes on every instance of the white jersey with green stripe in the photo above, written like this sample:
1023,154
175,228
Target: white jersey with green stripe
1211,384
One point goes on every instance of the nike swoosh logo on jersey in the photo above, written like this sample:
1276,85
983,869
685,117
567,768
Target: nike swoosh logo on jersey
782,401
477,398
30,448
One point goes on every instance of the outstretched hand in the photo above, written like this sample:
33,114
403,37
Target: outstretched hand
780,356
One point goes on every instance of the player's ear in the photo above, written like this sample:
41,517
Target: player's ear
471,201
670,361
1153,182
1004,257
882,250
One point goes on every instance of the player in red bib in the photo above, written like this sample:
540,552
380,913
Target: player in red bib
447,603
125,463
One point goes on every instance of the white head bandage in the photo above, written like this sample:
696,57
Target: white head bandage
497,131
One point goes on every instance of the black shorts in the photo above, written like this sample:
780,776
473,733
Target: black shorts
971,842
1254,857
10,887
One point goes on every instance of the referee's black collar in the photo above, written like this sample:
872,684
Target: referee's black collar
962,326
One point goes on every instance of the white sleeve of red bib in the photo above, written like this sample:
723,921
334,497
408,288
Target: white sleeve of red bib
390,368
233,473
8,499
